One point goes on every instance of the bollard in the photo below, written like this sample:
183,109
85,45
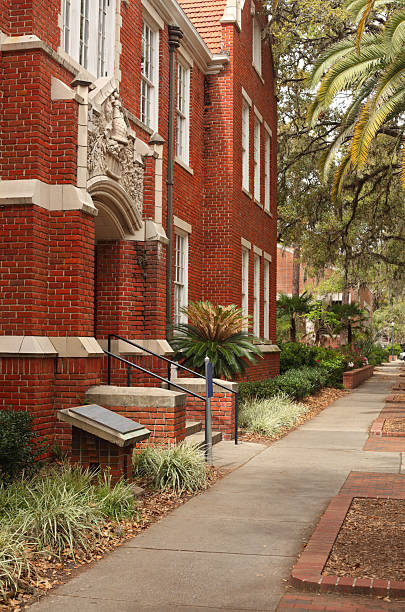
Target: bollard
209,392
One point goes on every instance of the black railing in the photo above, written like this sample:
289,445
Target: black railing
167,380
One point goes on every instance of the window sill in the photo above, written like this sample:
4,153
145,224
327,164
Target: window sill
258,73
247,192
183,164
268,212
142,125
258,203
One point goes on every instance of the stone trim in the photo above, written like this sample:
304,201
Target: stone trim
27,346
110,396
185,166
246,96
267,257
51,197
245,243
198,385
44,346
119,347
153,15
182,225
269,348
258,114
268,128
258,251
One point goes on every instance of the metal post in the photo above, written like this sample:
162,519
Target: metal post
109,361
128,375
169,374
236,416
208,422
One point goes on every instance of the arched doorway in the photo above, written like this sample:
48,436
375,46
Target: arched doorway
116,225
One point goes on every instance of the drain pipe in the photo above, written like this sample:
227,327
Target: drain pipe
175,35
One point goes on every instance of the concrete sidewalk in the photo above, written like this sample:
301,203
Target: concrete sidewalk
232,547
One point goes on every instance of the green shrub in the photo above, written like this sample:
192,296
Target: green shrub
180,467
19,444
296,355
296,383
270,416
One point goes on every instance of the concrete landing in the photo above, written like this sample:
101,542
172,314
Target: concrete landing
232,547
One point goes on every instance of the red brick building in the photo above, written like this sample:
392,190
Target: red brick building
86,184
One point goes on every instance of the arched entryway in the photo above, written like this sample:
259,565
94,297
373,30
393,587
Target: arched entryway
116,286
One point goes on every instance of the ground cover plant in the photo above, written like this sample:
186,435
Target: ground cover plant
269,417
58,512
179,467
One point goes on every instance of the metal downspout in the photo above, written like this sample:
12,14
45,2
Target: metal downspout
175,35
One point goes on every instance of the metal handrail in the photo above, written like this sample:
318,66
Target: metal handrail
168,380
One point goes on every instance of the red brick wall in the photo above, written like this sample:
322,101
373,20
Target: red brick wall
39,17
165,424
222,413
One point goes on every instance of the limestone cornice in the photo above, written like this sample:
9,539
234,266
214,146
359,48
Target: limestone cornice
50,197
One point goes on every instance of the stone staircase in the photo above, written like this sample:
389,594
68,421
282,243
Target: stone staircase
196,435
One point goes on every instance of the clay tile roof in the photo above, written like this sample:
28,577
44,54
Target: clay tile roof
205,15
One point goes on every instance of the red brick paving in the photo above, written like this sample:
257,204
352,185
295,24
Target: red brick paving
307,573
335,603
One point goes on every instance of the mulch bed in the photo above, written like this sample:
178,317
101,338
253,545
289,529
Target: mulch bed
371,541
315,404
49,571
394,425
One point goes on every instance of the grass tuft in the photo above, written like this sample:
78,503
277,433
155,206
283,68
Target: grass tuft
269,417
179,467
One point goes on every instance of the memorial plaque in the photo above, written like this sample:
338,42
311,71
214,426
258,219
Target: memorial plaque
107,418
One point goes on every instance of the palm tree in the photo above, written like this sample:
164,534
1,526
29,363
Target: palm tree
291,307
216,332
371,68
352,317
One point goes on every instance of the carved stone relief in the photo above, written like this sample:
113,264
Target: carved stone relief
111,149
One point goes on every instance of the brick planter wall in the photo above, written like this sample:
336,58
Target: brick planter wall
354,378
162,412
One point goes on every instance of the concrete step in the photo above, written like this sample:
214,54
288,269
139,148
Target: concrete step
193,427
199,438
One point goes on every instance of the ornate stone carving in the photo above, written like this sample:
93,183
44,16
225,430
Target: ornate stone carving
111,149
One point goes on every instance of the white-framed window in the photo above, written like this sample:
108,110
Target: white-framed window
149,75
256,159
266,299
180,276
257,44
245,283
267,168
183,113
256,295
89,34
245,144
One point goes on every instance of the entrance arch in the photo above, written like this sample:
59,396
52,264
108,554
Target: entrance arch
116,224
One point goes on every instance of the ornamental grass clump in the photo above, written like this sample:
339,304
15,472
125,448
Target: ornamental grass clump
116,502
269,417
179,467
57,518
14,564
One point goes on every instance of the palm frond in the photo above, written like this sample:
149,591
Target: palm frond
394,33
328,156
403,164
327,59
369,124
362,23
340,175
350,72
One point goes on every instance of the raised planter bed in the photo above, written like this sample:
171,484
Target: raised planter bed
354,378
309,572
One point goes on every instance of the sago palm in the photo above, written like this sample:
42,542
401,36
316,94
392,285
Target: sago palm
371,69
216,332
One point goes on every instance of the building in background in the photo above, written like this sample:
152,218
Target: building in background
85,183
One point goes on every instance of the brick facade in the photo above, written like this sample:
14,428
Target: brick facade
83,250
